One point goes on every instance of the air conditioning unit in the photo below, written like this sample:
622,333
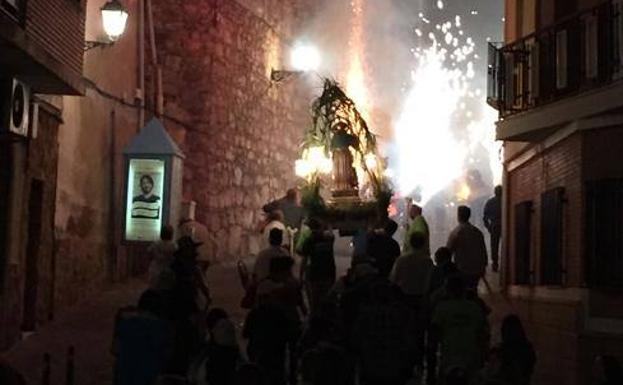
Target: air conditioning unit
14,107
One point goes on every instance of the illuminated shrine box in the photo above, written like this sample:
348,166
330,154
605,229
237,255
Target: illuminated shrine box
153,189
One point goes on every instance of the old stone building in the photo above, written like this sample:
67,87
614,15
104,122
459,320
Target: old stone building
556,82
62,192
239,130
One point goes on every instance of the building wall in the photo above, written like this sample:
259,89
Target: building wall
94,132
240,132
559,166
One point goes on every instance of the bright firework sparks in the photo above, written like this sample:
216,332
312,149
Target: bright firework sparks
429,155
355,77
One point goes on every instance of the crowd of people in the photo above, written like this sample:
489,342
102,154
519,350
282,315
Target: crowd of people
399,315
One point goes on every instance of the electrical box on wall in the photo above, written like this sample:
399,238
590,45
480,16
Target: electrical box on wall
14,107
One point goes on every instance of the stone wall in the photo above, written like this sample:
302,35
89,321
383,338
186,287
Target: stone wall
240,132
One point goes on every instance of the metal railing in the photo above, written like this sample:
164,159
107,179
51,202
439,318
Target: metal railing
579,53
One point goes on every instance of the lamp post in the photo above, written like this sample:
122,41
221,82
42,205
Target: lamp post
114,20
303,58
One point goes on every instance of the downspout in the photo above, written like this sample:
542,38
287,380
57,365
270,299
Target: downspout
141,64
112,209
158,94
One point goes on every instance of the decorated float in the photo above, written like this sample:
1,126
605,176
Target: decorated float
343,175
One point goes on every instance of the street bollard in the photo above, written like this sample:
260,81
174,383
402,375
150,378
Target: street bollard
45,372
69,373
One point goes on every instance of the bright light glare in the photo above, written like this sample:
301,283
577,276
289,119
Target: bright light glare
313,161
429,156
305,58
371,163
114,22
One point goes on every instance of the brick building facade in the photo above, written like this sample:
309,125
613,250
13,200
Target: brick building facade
556,82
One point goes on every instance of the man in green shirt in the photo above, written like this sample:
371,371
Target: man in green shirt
460,325
418,225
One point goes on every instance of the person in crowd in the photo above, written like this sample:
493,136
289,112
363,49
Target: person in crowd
461,328
607,370
275,220
384,340
412,274
142,342
267,330
318,264
418,224
292,210
9,375
261,269
384,249
468,246
492,219
493,372
288,295
222,354
325,364
516,351
186,304
444,268
161,253
250,374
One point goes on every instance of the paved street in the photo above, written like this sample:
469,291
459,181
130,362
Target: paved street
88,327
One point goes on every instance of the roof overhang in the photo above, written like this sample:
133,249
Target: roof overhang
23,58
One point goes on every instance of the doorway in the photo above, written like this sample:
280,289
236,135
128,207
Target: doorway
31,283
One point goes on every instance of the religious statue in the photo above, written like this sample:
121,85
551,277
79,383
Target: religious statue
345,182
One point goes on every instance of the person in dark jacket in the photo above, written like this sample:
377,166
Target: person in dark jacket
268,331
383,249
318,265
492,218
516,351
143,342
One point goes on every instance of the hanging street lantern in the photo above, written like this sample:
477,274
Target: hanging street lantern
114,21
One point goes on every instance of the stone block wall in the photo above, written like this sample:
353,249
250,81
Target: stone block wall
240,132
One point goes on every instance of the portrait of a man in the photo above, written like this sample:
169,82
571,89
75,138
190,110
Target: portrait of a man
147,204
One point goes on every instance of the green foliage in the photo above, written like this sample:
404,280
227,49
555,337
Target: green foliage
333,112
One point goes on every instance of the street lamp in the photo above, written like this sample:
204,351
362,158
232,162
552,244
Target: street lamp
114,19
303,58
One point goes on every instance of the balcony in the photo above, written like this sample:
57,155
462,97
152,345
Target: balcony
568,71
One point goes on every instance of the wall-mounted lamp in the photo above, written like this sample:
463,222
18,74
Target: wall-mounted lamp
303,58
114,19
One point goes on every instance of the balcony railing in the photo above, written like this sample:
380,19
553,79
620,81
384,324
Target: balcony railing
580,53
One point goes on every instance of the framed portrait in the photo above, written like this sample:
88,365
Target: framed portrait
144,197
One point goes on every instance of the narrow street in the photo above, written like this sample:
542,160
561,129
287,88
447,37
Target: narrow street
88,327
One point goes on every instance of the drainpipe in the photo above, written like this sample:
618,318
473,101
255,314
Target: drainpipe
158,95
141,64
112,209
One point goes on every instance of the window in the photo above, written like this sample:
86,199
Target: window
523,237
604,238
551,236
